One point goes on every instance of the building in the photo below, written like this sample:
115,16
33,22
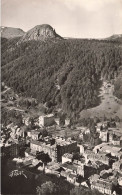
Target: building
73,168
93,178
117,165
110,136
27,121
55,148
101,125
109,148
46,147
114,137
35,135
57,121
104,135
120,181
11,150
116,140
93,157
64,146
67,158
103,186
87,131
67,121
14,149
81,136
52,168
5,151
82,148
46,120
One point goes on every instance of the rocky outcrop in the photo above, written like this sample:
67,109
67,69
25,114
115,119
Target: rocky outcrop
40,32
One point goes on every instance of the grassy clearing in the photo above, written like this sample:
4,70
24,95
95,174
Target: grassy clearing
110,105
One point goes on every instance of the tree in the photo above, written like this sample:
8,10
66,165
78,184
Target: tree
82,191
47,188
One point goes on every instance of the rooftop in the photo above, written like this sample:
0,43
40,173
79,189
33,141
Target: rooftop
103,183
69,166
67,155
48,115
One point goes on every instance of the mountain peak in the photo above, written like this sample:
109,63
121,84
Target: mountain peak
40,32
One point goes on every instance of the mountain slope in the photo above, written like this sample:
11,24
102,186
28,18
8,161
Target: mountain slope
64,74
115,37
9,32
40,32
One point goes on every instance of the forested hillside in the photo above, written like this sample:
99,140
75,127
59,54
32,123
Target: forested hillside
64,73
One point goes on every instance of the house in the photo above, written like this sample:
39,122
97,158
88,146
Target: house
69,167
93,178
35,134
79,162
52,168
93,157
84,184
109,148
87,131
104,135
116,140
65,173
46,120
67,121
103,186
57,121
110,133
29,133
28,152
101,125
67,157
74,168
82,148
117,165
27,121
81,136
120,181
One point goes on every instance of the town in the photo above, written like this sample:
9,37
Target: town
93,164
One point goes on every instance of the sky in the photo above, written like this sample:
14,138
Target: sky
70,18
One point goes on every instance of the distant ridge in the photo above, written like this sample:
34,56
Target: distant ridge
10,32
115,37
40,32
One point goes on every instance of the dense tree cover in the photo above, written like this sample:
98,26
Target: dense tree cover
47,188
43,157
54,187
82,191
118,84
27,103
34,69
11,116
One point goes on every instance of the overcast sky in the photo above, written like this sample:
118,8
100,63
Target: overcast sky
70,18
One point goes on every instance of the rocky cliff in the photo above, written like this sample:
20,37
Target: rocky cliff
40,32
